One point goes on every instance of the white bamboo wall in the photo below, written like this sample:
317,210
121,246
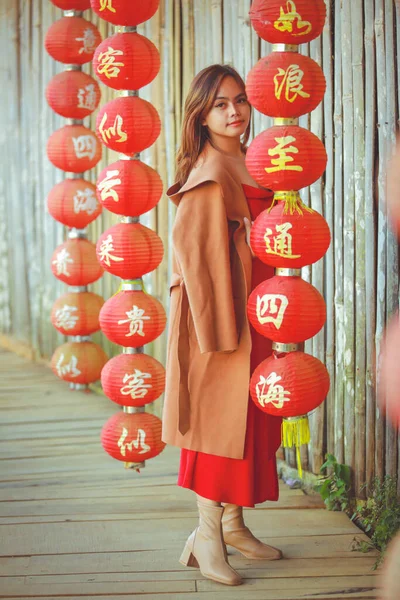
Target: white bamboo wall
357,121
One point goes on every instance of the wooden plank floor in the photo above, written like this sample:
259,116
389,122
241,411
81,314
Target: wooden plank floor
75,524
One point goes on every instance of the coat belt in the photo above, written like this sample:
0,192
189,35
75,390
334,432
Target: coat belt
183,350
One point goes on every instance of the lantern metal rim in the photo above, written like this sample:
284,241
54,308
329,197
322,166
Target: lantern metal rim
73,67
132,285
126,29
125,219
285,48
128,94
279,121
129,350
132,410
294,419
285,347
74,234
73,13
127,157
135,466
287,272
79,338
78,289
78,386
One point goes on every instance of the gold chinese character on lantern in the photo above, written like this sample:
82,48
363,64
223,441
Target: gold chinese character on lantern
287,19
135,385
107,63
135,320
61,262
87,97
271,308
105,187
139,443
282,241
106,247
275,393
107,4
70,368
65,318
281,163
290,80
89,42
114,130
84,145
85,201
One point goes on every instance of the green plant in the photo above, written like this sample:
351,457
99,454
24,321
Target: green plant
379,516
335,486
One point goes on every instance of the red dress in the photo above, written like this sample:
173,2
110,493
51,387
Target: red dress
252,479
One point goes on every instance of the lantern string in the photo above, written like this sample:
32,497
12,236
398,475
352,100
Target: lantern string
293,202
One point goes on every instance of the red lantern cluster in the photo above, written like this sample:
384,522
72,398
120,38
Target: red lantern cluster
74,148
128,125
129,187
72,40
73,94
133,379
132,438
289,235
132,318
126,61
79,362
125,12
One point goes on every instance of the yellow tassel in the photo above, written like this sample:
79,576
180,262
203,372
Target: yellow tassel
293,202
296,432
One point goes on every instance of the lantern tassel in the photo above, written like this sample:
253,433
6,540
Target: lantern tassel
296,432
292,201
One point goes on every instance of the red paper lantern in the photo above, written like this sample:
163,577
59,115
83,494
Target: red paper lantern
74,262
72,40
73,94
126,61
74,148
133,379
128,125
72,4
289,241
78,362
77,314
286,309
289,386
125,12
132,319
132,437
129,187
129,250
286,157
284,84
74,203
288,21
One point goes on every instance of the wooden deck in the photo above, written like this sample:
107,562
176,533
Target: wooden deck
75,524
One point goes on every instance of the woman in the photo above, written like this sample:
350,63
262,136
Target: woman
228,445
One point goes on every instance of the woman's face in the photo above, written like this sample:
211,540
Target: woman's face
230,113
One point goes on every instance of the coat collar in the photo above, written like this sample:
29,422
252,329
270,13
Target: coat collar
213,165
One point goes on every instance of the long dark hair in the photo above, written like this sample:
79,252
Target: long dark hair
201,96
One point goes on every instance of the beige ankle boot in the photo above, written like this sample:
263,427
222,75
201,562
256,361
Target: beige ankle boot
239,536
205,547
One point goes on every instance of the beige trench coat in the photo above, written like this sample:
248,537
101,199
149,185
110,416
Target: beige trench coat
209,342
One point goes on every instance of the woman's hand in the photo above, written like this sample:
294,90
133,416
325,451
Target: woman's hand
248,225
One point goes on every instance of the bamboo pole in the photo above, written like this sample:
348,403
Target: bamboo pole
317,418
370,237
381,242
338,240
359,185
392,260
328,212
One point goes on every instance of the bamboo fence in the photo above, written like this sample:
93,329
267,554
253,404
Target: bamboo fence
357,121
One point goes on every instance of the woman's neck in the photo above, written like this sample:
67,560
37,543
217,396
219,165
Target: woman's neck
227,146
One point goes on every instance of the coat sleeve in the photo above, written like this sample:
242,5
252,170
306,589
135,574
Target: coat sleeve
201,246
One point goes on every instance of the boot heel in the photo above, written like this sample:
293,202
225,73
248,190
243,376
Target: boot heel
188,559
